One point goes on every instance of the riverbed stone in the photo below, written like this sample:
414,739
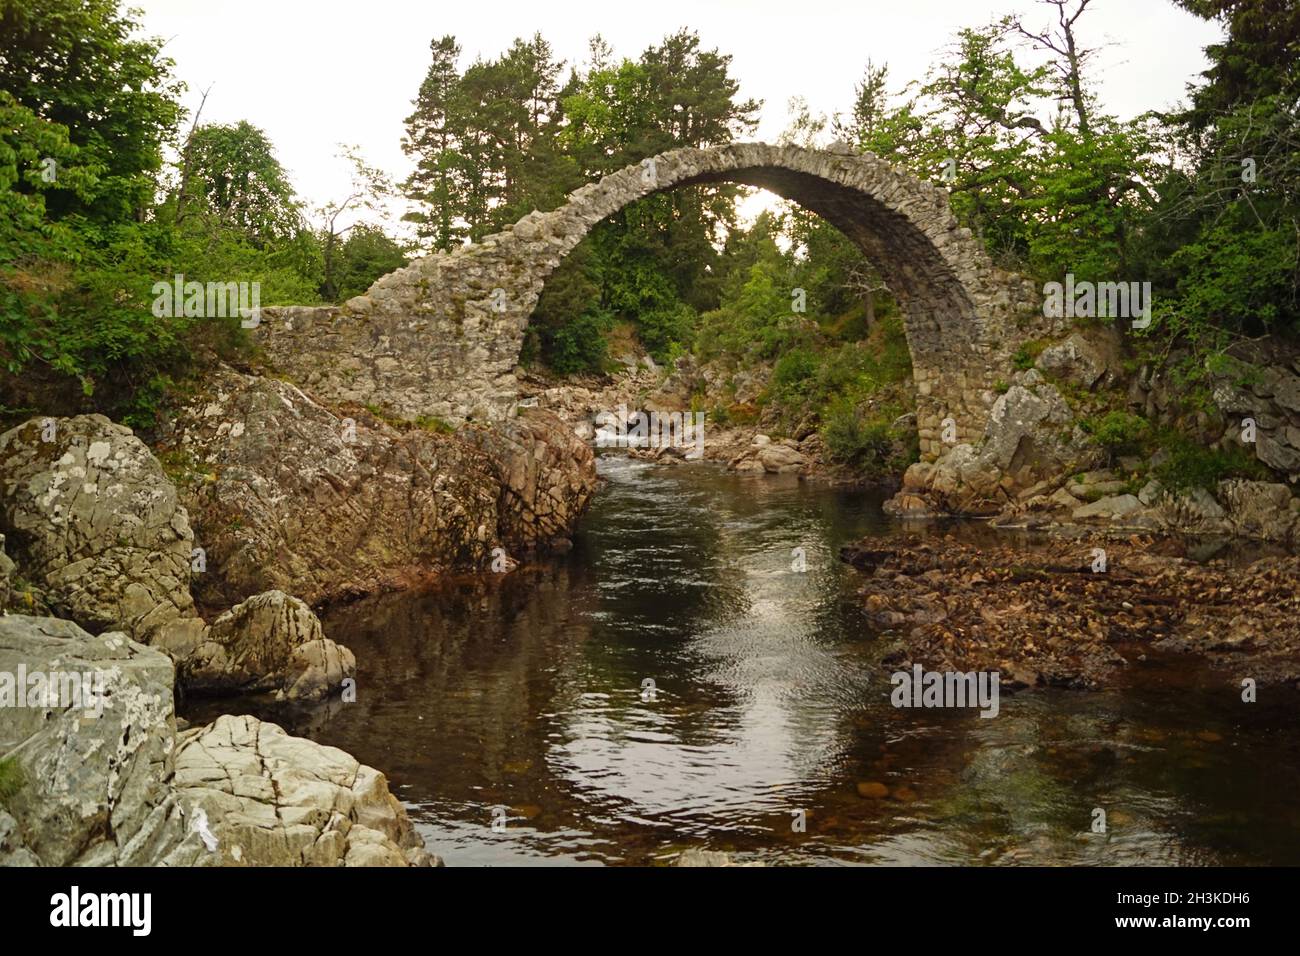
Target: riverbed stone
1112,506
271,799
1259,509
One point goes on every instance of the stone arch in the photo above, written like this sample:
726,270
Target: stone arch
442,335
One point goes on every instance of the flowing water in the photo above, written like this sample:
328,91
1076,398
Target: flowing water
676,681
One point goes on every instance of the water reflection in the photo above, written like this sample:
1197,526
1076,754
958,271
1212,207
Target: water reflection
527,692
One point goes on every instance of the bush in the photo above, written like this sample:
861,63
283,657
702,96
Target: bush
579,346
1027,354
1188,464
1118,432
795,370
665,331
867,444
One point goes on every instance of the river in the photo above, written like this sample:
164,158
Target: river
697,672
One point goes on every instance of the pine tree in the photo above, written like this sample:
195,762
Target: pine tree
438,182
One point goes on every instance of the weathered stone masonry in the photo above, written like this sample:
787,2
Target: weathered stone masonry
442,336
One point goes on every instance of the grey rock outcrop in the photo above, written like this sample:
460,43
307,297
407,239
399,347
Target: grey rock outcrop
1112,507
1257,391
95,790
1031,436
270,799
92,520
289,495
1083,359
1260,509
117,786
546,474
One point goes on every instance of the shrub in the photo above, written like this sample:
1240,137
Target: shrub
869,444
795,370
1118,432
1027,354
1188,464
579,346
665,331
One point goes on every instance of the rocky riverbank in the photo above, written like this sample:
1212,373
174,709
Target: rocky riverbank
1074,612
194,566
114,783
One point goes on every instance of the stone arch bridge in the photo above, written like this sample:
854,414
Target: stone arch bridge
442,336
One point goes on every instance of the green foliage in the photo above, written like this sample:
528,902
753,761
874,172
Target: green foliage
795,370
232,173
1027,354
82,65
1188,464
367,254
665,331
11,779
484,141
432,423
85,112
580,345
871,445
1118,432
1223,237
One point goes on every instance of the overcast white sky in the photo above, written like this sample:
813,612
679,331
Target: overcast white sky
316,73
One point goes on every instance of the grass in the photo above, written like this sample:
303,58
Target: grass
11,779
432,423
1028,353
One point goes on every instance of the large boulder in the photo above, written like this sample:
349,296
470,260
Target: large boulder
1260,509
271,642
104,779
762,455
1257,390
1082,359
269,799
1191,511
287,494
95,780
93,522
1031,438
1031,433
1112,507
